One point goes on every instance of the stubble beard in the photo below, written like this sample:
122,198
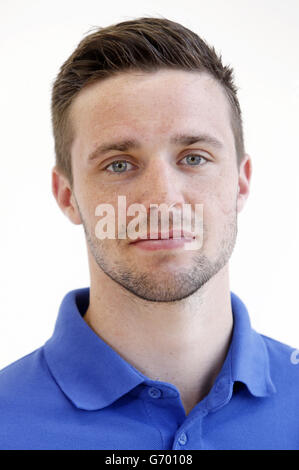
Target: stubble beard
162,285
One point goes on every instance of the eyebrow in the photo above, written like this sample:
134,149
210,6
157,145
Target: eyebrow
178,139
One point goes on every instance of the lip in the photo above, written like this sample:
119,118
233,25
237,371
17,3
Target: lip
159,243
165,237
153,245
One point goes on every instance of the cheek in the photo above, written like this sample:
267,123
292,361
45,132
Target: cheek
218,197
225,201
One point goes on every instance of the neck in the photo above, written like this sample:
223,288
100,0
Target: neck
183,342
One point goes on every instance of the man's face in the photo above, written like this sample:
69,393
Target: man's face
152,108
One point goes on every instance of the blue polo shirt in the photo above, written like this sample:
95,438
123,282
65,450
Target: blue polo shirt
76,392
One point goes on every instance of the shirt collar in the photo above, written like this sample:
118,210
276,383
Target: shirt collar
85,367
93,375
248,353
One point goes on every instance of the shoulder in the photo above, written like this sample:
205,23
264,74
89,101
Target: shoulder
22,372
278,350
29,398
283,363
24,385
25,382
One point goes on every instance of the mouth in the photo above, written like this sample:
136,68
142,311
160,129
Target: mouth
163,241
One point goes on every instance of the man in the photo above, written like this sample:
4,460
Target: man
157,353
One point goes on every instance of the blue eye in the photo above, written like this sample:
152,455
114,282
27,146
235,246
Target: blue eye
119,166
194,159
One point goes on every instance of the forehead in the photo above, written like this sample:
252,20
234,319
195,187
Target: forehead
151,104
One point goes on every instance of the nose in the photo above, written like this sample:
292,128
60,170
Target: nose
162,183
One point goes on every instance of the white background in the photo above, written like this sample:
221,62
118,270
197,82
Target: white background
43,255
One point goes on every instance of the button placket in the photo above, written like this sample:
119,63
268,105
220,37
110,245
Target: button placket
220,384
182,440
220,395
154,392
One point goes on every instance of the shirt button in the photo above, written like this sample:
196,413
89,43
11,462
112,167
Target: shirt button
154,392
182,439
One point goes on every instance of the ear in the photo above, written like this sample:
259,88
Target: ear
245,172
63,194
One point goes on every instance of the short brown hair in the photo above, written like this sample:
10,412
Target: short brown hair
145,44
